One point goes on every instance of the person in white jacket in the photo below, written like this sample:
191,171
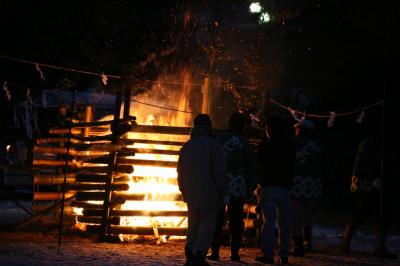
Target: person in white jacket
203,183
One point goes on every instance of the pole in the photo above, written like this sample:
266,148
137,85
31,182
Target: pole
64,186
205,107
127,103
88,118
111,166
381,200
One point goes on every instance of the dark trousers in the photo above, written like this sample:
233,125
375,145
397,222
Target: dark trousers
234,213
366,205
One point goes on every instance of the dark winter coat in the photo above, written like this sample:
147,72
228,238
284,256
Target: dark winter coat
311,168
202,171
366,165
277,158
242,166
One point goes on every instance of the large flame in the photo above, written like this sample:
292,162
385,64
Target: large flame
156,182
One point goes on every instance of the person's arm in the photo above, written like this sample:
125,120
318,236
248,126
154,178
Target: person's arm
366,166
219,167
180,175
252,167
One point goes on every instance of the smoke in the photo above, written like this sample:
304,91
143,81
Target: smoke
169,101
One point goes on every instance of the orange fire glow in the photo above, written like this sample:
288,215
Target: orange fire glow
155,181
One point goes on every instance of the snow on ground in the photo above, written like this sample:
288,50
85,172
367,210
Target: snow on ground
27,248
34,248
11,214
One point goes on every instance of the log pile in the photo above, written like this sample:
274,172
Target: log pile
98,162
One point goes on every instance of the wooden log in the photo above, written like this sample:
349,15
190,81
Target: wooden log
155,163
86,196
99,130
54,139
104,123
96,187
127,169
76,140
169,130
118,213
159,142
103,159
64,131
52,163
250,223
151,197
162,130
99,178
123,160
92,178
97,220
52,179
56,150
86,205
155,151
139,230
251,215
84,153
103,147
162,180
252,208
42,196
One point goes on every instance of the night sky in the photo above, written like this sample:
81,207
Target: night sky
336,54
314,56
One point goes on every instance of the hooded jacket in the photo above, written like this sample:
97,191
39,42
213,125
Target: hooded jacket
202,171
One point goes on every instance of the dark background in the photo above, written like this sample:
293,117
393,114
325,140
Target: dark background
315,56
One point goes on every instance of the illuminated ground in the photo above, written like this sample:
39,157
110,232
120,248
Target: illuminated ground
41,249
34,248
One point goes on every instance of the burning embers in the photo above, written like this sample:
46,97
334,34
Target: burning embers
152,205
162,208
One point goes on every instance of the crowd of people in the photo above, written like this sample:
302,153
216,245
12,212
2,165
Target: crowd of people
216,174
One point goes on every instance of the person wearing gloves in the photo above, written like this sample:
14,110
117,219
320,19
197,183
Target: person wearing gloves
203,183
369,189
242,174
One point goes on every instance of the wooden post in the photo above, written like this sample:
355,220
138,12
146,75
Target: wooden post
127,103
64,185
88,118
111,165
206,104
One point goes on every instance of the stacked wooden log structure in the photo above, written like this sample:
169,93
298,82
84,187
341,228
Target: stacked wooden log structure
94,160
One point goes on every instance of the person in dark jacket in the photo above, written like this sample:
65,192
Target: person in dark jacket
203,183
373,196
277,158
311,171
242,174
